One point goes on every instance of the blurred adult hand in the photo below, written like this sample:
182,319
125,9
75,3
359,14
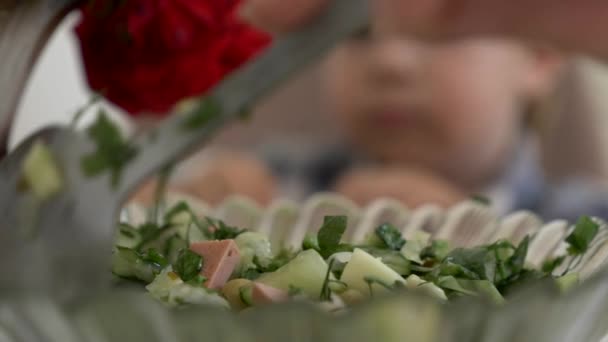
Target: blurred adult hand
412,187
224,175
576,25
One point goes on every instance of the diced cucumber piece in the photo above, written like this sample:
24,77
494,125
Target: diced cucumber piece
232,292
41,173
450,283
126,263
484,288
122,261
567,282
362,265
412,248
414,282
195,234
182,221
393,259
127,236
159,239
174,245
306,271
246,295
186,228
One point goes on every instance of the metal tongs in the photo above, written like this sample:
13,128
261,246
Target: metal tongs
74,230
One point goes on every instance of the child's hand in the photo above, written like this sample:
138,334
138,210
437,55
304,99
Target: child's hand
224,175
412,187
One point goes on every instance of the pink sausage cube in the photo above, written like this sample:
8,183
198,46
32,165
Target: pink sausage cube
264,294
220,258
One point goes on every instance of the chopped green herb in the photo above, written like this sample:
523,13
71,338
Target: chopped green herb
112,152
584,232
517,260
207,110
551,265
180,208
251,274
218,230
451,284
390,236
127,233
330,234
325,289
149,233
188,265
281,259
310,242
438,250
154,257
473,263
198,281
393,259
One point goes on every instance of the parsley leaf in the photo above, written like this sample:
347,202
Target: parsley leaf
472,263
179,208
218,230
584,232
250,274
150,233
197,281
310,242
551,265
152,256
390,236
330,234
437,251
112,152
188,265
517,260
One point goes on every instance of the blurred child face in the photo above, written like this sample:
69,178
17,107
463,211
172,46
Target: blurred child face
453,108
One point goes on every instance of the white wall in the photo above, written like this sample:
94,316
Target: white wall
57,88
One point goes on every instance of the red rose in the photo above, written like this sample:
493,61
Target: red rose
146,55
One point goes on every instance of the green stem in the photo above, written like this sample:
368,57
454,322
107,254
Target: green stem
571,264
160,193
78,115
